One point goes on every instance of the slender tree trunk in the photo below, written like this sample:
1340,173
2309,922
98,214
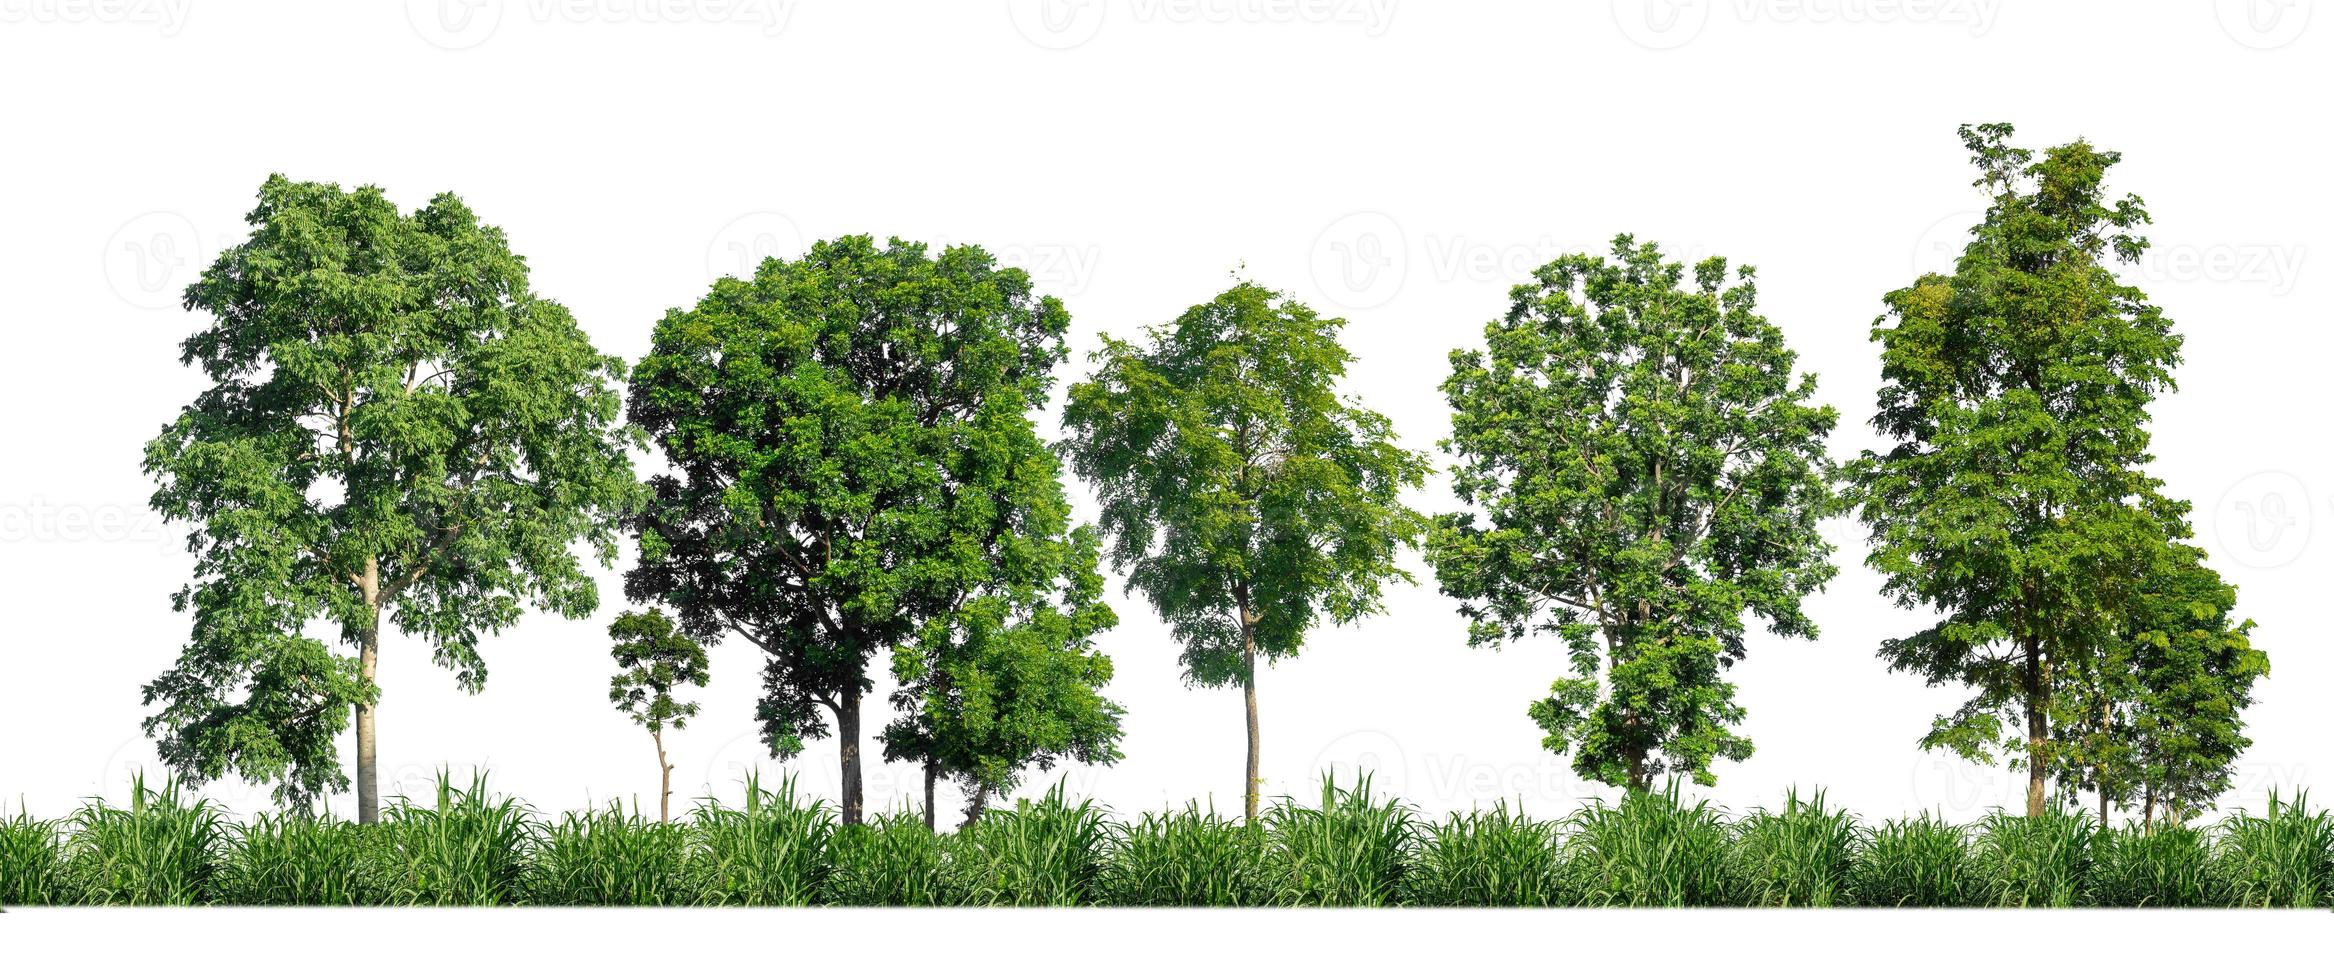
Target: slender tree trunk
2148,809
931,794
2037,729
368,663
664,799
973,808
2103,801
847,733
1252,787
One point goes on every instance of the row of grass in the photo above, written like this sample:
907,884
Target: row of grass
1347,849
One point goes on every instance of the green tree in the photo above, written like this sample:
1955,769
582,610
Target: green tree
1011,679
655,658
395,422
1645,470
2159,725
849,437
1244,497
2013,501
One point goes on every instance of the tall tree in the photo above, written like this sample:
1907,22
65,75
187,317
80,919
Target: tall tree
396,423
1645,469
1244,496
2014,502
656,659
843,430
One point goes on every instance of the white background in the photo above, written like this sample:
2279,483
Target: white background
1399,162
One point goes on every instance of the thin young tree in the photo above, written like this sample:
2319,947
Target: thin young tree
1243,495
1645,470
2013,501
842,429
397,427
656,659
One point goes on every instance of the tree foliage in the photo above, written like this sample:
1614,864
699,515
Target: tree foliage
1242,494
655,659
1645,470
854,473
394,421
2015,501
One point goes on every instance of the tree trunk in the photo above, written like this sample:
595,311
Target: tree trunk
973,808
931,794
664,799
368,661
2037,729
847,733
1248,693
2148,809
2102,800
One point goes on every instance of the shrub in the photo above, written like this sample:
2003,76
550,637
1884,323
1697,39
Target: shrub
1188,857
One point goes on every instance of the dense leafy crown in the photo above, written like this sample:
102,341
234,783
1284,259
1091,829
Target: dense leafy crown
1232,475
394,421
855,472
2014,501
1645,469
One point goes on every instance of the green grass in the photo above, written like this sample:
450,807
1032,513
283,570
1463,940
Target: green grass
1798,856
1650,850
1352,850
1345,847
1189,857
1488,857
1918,862
2283,859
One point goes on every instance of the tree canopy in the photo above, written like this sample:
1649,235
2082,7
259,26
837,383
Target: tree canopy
1645,469
395,422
